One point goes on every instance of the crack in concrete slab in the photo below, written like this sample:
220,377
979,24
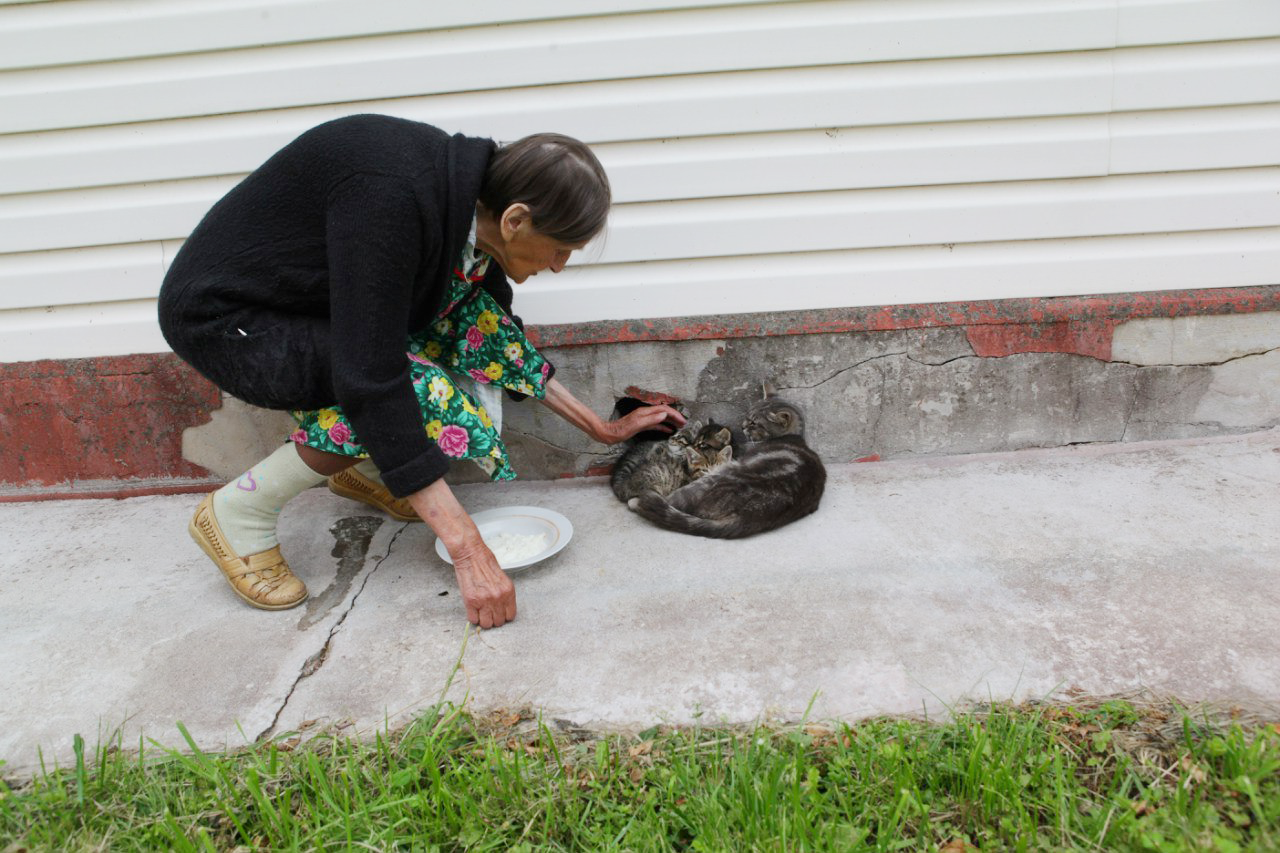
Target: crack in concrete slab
313,664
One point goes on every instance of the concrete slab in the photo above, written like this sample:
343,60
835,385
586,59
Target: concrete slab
112,621
918,584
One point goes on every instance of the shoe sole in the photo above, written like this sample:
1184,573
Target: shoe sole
207,547
342,491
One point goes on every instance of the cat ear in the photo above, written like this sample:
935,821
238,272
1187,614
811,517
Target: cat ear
725,455
724,435
785,419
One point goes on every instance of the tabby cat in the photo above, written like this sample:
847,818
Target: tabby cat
661,467
777,480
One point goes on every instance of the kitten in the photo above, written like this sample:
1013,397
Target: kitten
661,467
777,480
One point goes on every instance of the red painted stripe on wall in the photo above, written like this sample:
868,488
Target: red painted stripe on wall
1083,311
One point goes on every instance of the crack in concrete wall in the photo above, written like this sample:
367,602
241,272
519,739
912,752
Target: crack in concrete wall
1133,405
844,370
1234,358
315,662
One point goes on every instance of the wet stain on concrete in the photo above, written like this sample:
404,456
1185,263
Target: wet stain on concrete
351,545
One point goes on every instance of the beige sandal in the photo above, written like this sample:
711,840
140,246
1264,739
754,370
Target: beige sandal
352,484
263,580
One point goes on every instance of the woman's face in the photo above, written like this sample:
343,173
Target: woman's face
519,249
530,253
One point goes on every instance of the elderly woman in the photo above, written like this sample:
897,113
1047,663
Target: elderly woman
358,279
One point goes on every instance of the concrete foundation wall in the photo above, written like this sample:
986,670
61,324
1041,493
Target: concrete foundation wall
916,392
877,384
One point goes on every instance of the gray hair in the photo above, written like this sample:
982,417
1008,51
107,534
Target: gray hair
560,180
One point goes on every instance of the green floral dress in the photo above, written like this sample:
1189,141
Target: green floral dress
472,337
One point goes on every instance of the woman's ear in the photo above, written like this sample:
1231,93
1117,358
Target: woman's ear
516,219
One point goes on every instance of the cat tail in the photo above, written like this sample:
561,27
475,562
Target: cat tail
663,514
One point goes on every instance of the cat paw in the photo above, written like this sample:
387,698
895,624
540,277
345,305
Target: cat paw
633,503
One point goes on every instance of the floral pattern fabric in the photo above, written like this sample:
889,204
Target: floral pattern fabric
471,336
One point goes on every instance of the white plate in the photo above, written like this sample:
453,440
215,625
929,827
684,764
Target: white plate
520,521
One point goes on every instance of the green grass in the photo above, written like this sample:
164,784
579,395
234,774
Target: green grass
1096,775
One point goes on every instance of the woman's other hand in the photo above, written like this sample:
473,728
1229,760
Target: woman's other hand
661,417
487,591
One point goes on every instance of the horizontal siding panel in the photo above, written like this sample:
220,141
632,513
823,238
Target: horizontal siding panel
80,331
100,273
1143,22
776,282
83,31
625,46
858,158
86,31
1222,138
970,213
739,164
742,165
106,216
953,153
1197,75
703,105
712,227
905,276
910,93
977,213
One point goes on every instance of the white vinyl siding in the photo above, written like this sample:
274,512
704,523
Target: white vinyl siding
765,156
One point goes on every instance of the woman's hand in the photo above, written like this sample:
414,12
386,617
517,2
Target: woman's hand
487,591
559,400
661,417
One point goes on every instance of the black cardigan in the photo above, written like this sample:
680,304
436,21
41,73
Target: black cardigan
330,254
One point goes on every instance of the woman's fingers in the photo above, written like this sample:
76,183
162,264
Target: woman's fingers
649,417
487,591
671,415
